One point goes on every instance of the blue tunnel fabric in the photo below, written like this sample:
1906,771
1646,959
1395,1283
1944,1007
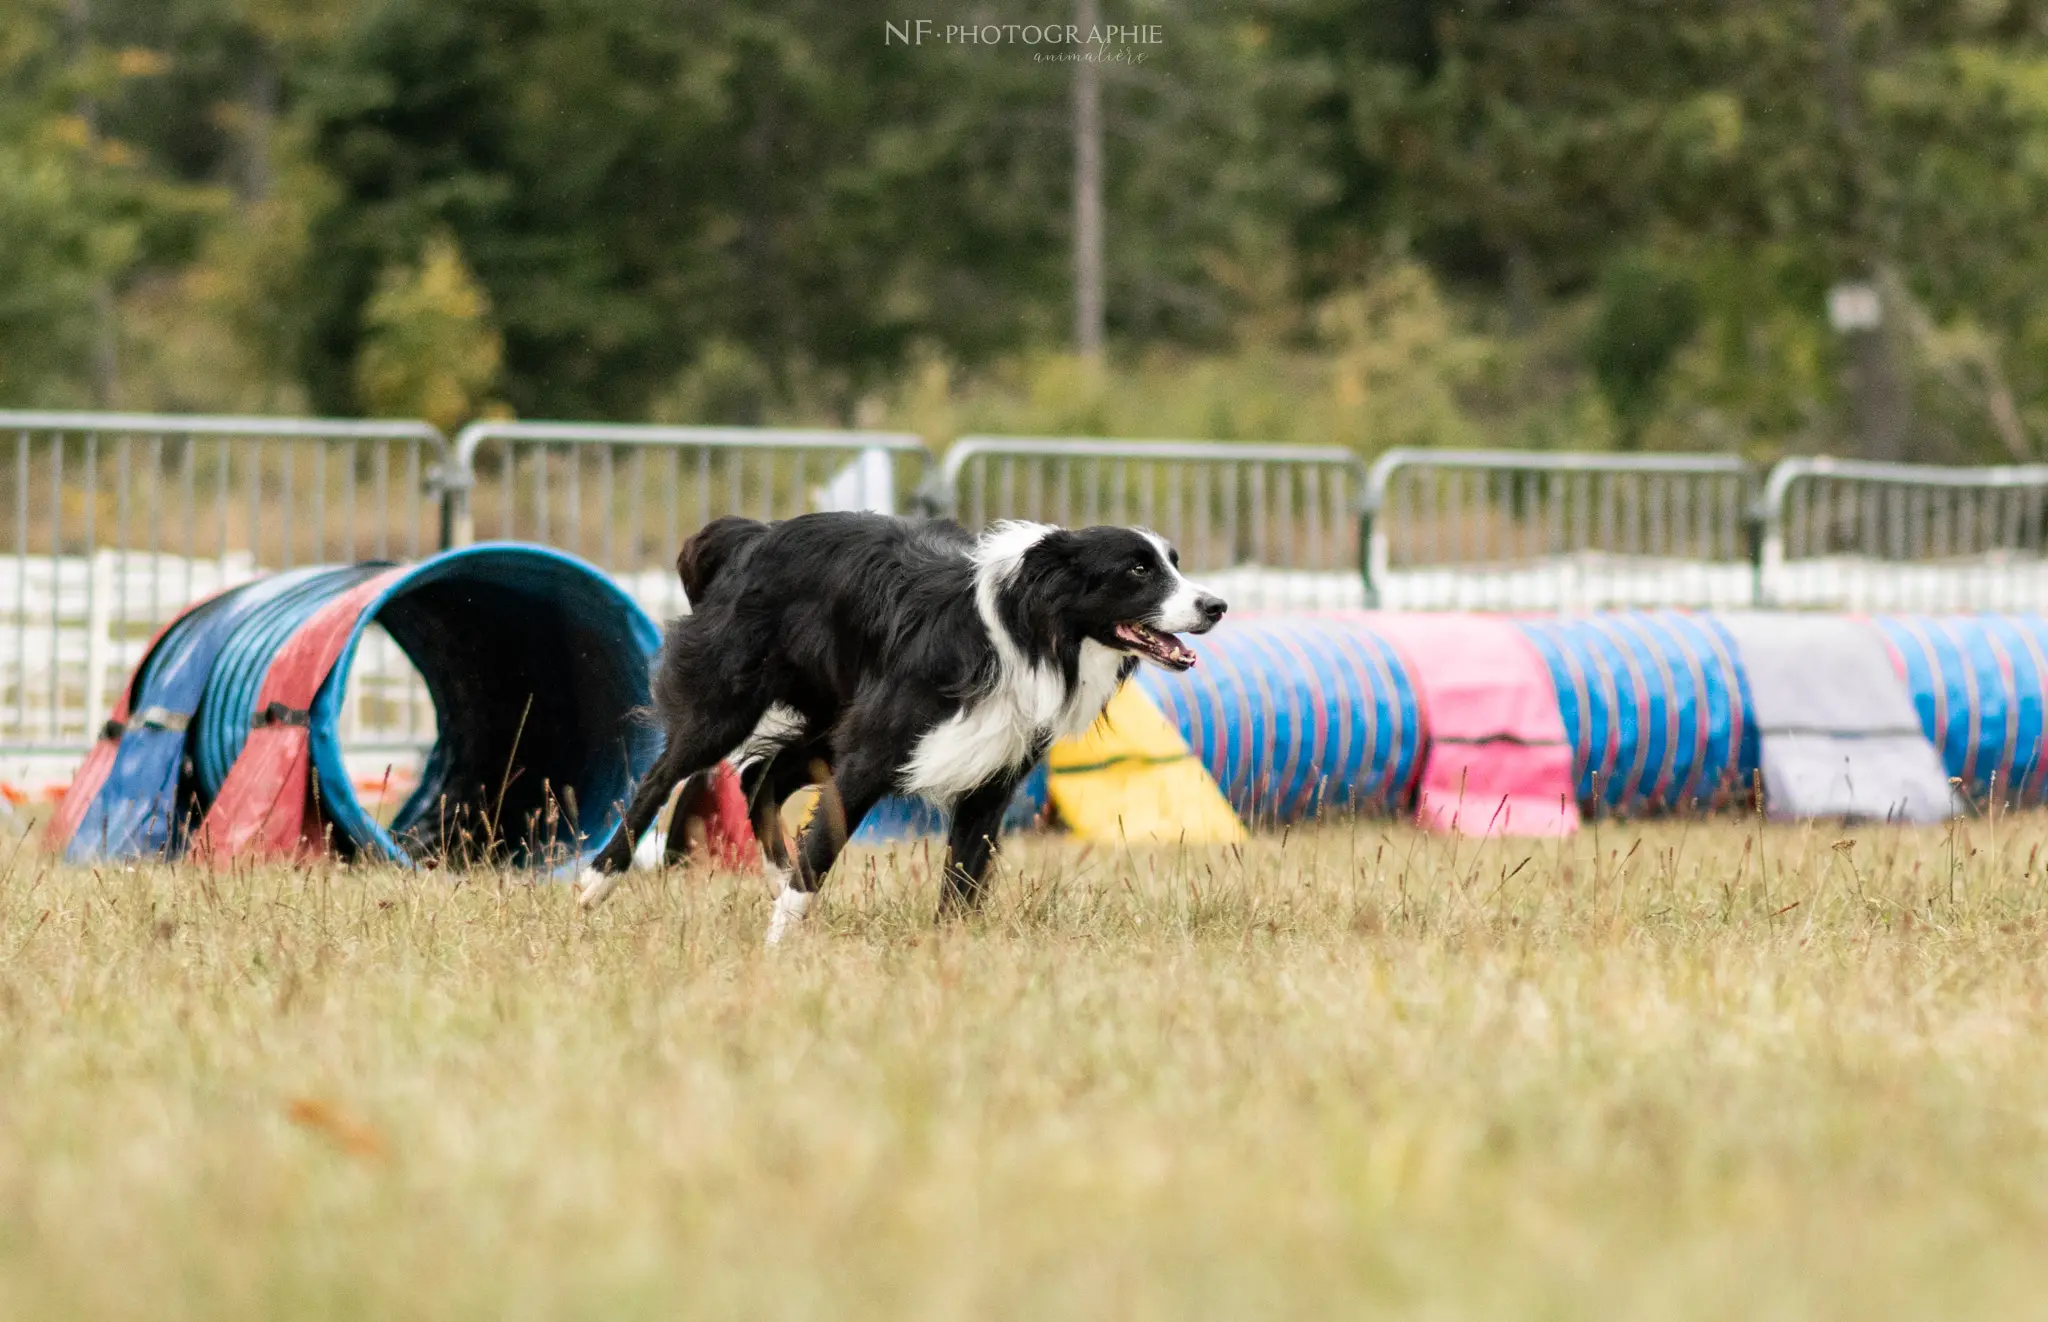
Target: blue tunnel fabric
538,667
1655,705
1293,715
244,660
902,818
1979,685
138,810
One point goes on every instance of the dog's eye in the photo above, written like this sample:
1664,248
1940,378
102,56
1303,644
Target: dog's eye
1140,570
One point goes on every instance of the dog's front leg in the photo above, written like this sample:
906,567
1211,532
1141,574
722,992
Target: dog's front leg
604,871
971,845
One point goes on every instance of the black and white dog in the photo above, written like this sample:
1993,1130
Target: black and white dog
897,657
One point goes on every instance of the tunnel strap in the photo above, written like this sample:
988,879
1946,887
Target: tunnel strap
278,713
162,718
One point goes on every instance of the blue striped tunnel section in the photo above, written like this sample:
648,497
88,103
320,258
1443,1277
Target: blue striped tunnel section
1655,706
1980,684
1296,714
537,666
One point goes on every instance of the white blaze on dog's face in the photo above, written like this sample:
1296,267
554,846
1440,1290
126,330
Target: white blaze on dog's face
1189,607
1133,597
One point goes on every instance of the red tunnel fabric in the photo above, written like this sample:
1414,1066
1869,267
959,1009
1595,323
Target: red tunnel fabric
1498,760
726,829
92,773
261,808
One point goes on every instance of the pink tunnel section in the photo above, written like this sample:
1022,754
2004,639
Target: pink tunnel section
1497,762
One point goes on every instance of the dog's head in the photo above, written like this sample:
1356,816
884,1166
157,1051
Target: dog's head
1121,587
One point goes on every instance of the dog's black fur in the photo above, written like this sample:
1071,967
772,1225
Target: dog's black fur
866,643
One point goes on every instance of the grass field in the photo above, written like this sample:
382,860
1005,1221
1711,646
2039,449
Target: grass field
1667,1072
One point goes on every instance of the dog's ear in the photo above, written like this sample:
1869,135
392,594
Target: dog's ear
1058,546
1046,575
714,546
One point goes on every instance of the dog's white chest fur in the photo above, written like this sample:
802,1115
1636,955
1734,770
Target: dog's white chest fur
1029,705
1011,724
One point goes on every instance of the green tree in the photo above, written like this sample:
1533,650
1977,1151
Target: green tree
428,348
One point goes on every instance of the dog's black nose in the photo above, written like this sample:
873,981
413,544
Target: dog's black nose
1212,608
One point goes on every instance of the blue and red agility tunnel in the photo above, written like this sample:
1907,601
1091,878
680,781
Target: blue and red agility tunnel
227,737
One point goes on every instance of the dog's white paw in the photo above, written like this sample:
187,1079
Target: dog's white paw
592,886
647,854
790,908
777,878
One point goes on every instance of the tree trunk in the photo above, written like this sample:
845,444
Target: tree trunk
1880,395
262,118
105,358
1881,401
1088,308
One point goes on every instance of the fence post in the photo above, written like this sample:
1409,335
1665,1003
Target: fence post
935,497
1372,559
1365,556
1757,526
452,479
457,528
100,646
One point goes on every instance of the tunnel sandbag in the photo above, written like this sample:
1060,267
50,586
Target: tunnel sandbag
1838,733
1297,714
1655,707
1979,684
1497,761
538,668
90,817
146,800
91,775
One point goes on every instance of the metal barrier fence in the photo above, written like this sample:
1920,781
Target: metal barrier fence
1851,535
115,520
1266,525
624,497
1518,530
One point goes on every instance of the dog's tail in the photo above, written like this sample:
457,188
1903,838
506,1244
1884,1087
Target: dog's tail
712,548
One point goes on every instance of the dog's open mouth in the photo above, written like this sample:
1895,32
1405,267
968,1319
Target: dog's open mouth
1154,645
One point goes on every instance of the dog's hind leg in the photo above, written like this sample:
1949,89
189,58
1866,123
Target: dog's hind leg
971,844
693,746
773,782
675,845
855,788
